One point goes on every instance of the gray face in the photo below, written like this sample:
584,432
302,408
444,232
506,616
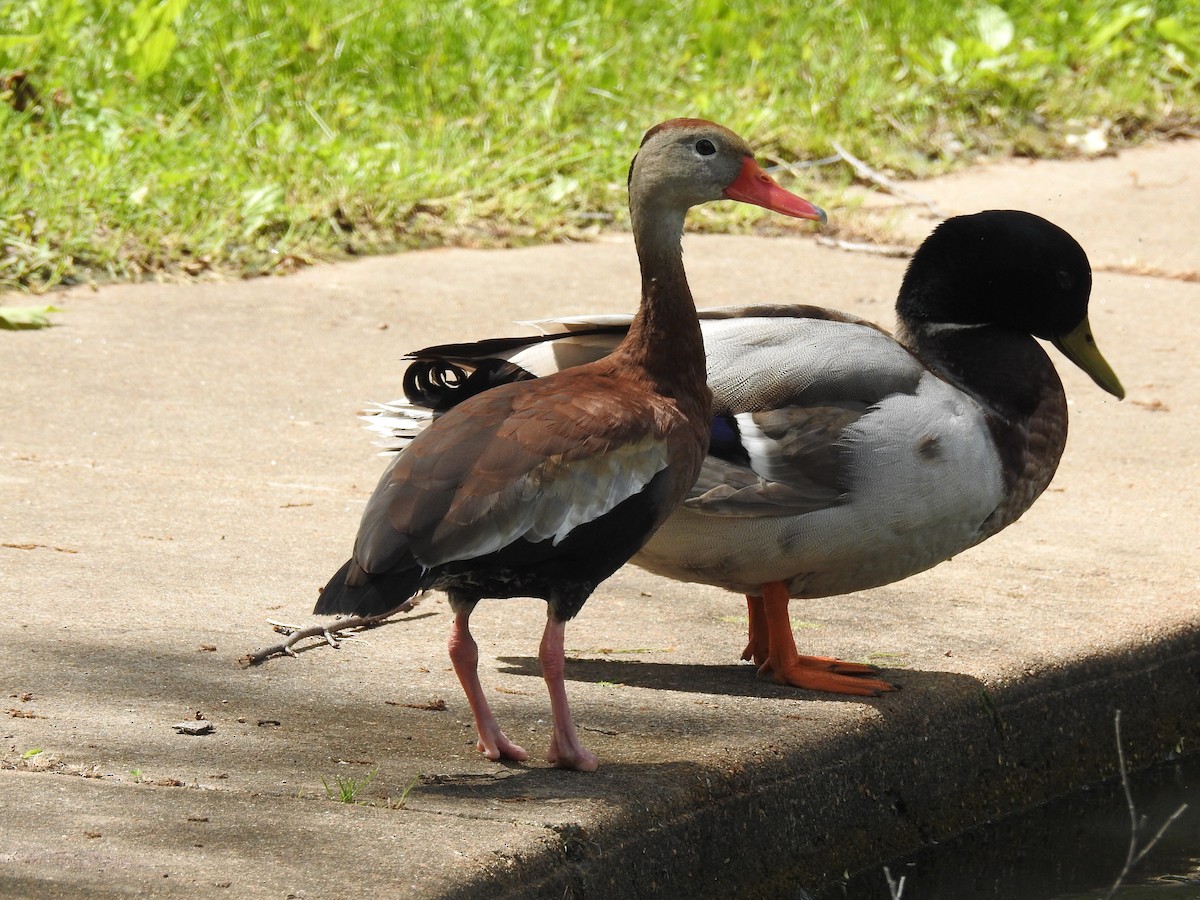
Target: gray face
686,162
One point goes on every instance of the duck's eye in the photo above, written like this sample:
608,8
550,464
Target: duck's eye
705,147
1065,281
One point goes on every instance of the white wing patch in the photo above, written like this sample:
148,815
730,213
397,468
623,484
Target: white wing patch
564,353
766,458
548,503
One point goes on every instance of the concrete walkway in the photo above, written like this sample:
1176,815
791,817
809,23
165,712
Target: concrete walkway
179,464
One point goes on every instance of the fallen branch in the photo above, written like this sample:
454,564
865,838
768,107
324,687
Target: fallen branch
794,167
330,634
1134,856
892,187
890,250
896,889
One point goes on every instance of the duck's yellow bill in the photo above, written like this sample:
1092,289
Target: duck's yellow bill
1080,348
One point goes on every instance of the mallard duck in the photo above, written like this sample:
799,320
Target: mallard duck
544,488
843,458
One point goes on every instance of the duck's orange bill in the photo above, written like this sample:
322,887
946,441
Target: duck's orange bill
753,185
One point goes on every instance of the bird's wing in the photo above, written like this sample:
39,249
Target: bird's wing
524,462
763,363
776,463
786,391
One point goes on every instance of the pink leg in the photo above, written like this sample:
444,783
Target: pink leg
464,654
565,750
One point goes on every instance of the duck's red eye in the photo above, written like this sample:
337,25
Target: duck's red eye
705,147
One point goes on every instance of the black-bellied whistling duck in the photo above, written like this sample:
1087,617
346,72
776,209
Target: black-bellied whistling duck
544,488
842,459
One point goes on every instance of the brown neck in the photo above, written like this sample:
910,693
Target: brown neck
664,339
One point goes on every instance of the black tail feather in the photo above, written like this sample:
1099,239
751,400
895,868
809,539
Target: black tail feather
439,384
373,596
443,376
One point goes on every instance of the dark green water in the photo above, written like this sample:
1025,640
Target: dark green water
1071,849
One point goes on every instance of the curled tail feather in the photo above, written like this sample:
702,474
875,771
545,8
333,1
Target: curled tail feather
440,384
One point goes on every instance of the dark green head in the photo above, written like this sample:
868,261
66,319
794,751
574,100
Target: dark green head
1010,269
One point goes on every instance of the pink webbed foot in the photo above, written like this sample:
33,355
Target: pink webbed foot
570,754
495,744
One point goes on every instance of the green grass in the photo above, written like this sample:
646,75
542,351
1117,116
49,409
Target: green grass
346,788
15,318
249,136
403,799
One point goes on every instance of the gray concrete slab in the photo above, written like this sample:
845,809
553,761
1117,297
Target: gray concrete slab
179,464
1133,211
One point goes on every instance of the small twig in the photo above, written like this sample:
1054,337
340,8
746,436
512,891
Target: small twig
890,250
803,164
895,888
892,187
1158,834
1134,856
328,633
286,628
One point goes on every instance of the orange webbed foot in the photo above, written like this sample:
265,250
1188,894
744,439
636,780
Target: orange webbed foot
821,673
786,666
840,666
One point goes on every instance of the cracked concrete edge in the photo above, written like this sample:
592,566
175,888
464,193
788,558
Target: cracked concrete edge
805,821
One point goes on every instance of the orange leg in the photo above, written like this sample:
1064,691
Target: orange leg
759,645
787,666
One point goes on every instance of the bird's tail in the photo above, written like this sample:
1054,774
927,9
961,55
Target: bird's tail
439,378
354,592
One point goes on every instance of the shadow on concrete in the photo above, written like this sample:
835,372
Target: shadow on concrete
734,680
